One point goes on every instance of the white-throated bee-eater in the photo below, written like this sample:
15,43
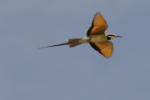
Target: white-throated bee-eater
97,36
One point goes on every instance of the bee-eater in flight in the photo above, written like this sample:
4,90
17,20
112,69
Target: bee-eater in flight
97,36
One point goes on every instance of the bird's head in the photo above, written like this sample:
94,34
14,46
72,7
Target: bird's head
111,36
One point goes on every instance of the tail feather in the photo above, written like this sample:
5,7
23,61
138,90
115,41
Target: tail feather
71,42
61,44
74,42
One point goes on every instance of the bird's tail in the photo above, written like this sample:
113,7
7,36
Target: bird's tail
61,44
71,42
74,42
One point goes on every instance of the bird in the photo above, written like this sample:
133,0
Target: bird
97,36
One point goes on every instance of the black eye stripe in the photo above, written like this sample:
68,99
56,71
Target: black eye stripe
111,35
108,38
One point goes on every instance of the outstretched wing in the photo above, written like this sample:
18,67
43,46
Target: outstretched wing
104,48
99,25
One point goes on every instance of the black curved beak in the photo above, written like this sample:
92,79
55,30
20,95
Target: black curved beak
119,36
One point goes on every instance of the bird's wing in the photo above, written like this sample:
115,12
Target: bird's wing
99,25
104,48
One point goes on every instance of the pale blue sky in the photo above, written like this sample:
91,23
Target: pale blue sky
27,73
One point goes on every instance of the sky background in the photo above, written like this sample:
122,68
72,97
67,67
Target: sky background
80,73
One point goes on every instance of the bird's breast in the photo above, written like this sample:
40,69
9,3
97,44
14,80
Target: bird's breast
98,38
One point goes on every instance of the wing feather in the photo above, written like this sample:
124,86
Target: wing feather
99,25
104,48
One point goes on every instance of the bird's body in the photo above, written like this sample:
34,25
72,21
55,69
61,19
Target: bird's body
97,37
